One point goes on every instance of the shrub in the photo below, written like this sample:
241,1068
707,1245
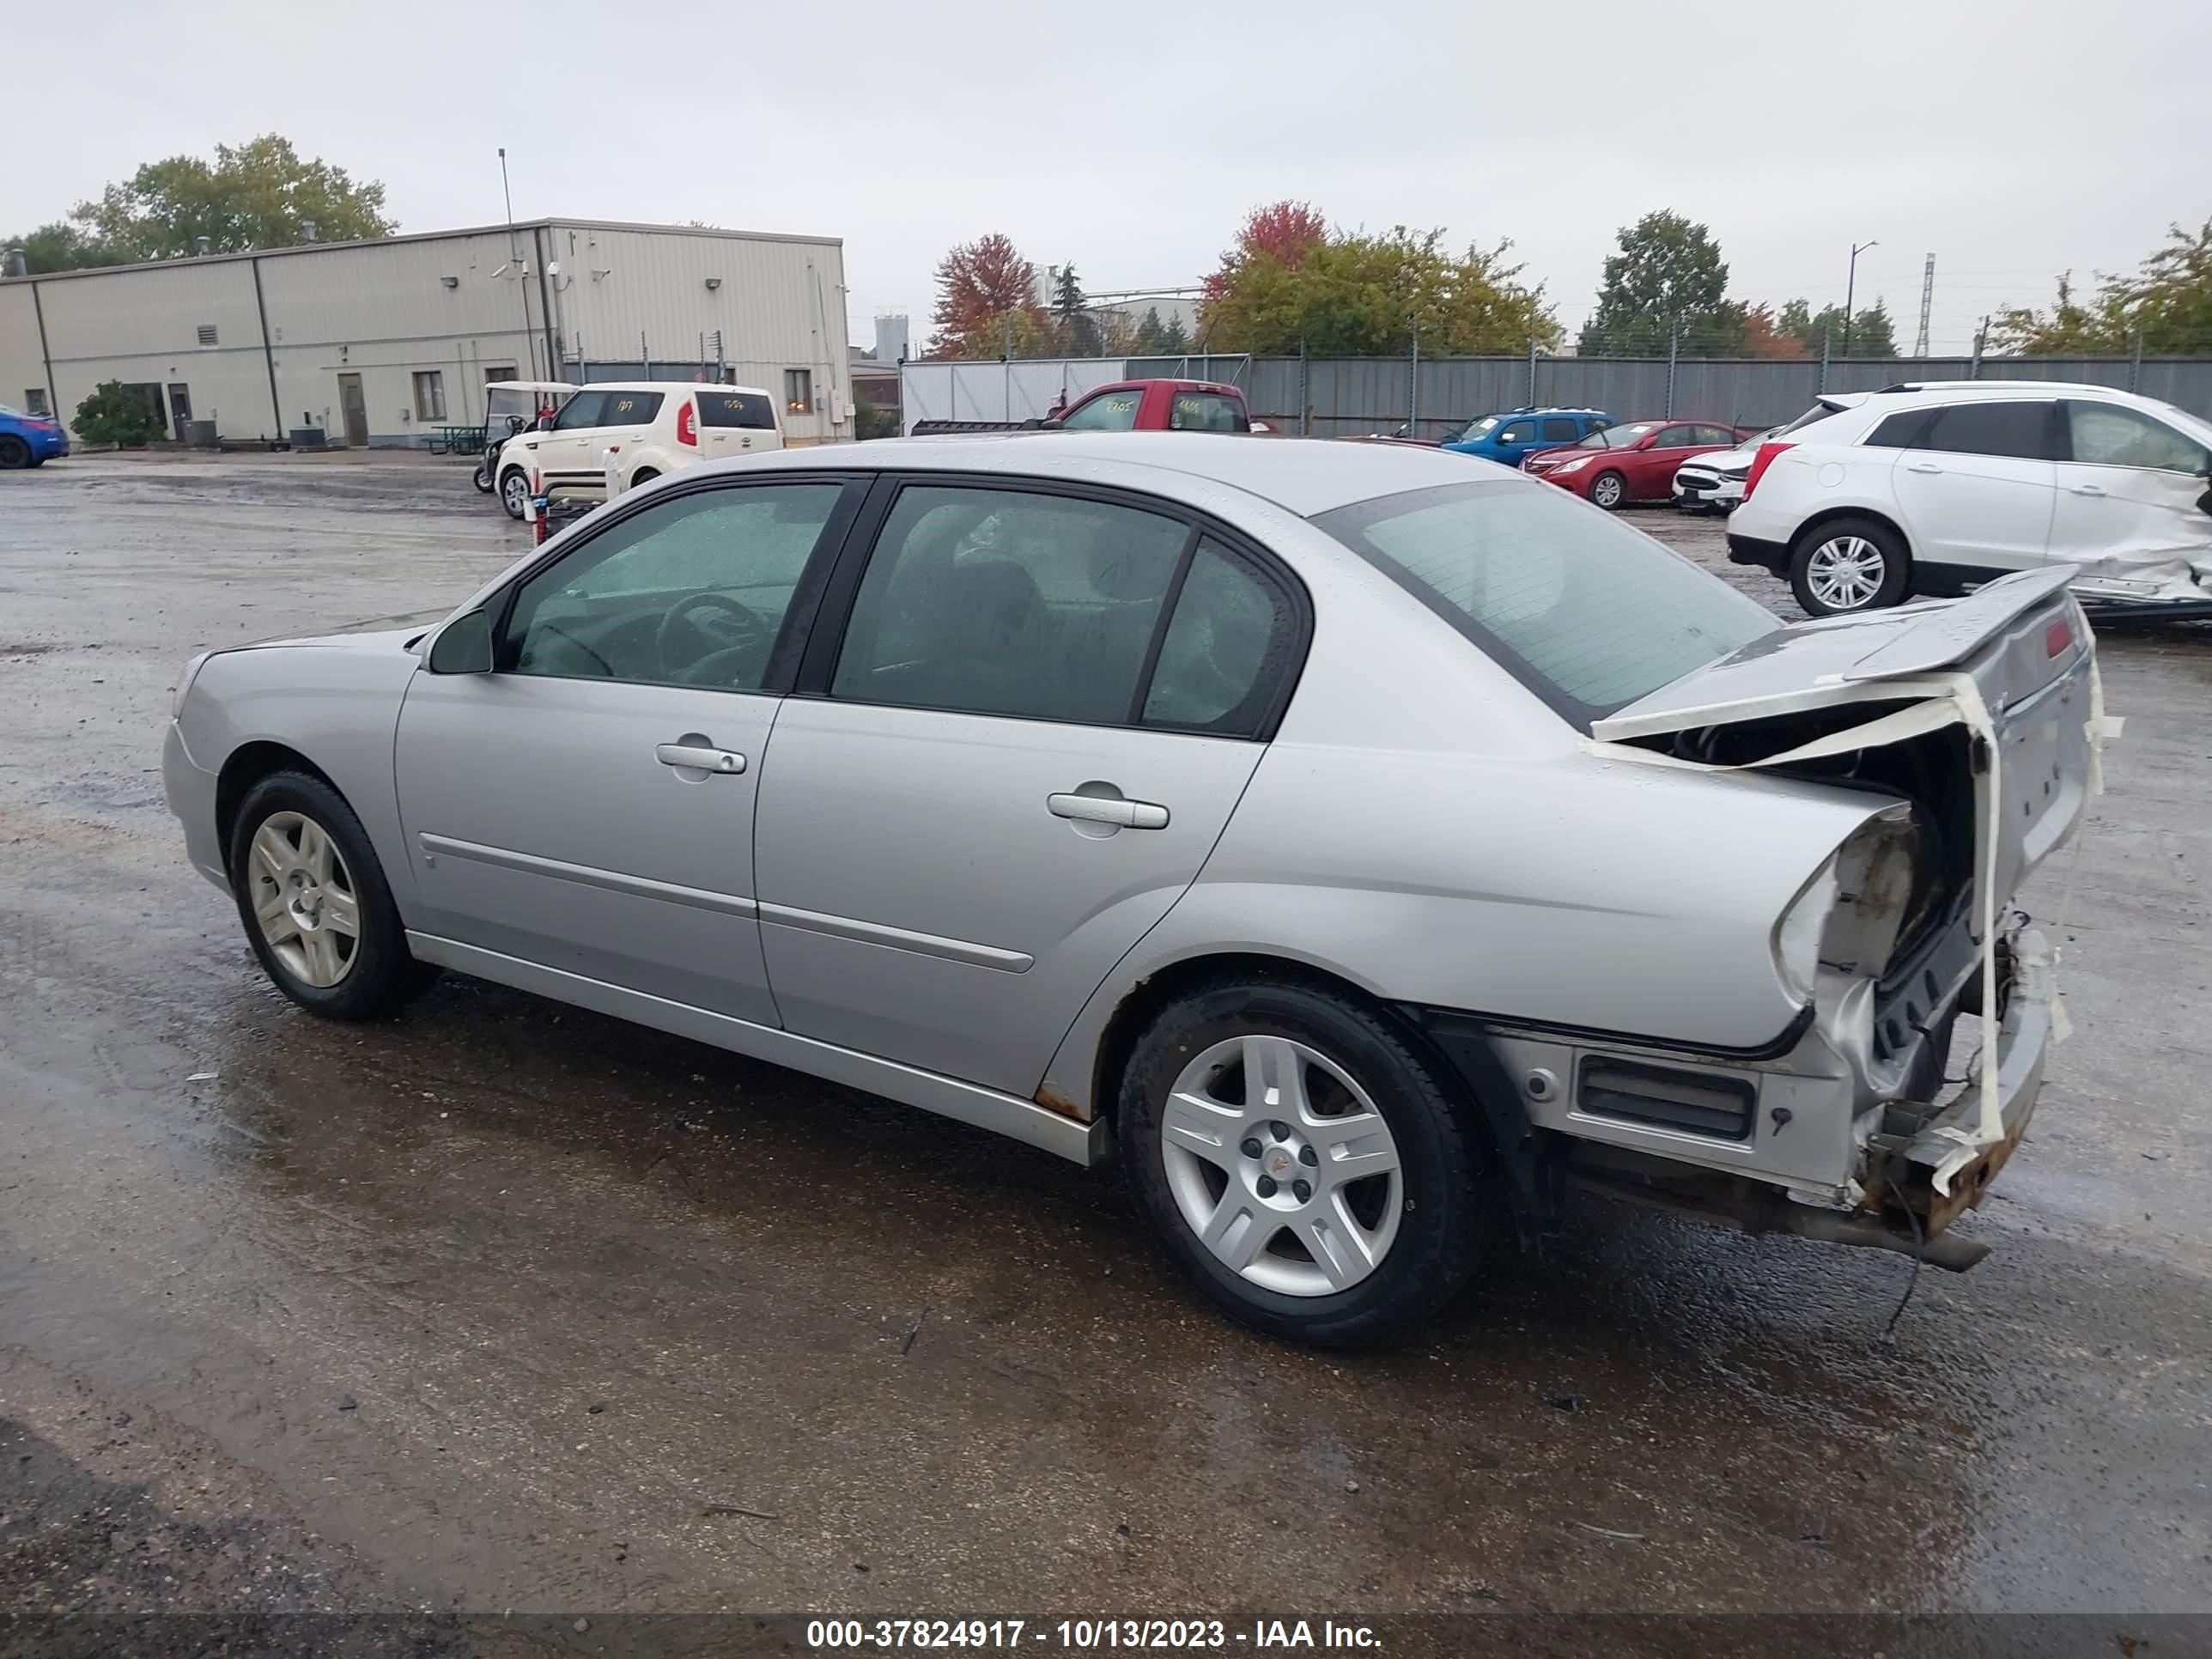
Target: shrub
114,416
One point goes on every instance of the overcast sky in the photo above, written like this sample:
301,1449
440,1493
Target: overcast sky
2013,141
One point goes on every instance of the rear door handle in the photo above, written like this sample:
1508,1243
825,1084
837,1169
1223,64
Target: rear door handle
1108,809
1922,466
2085,489
726,762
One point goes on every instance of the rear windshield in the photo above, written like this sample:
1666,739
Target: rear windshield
746,409
1588,613
1207,411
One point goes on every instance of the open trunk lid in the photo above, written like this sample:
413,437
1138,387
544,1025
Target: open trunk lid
2013,661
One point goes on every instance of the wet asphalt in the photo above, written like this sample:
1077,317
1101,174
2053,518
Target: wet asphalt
506,1306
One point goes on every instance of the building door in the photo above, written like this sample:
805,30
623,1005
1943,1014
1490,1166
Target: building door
353,407
180,410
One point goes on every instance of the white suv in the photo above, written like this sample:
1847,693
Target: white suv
1871,498
653,426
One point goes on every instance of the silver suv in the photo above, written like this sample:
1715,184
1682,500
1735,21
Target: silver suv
1368,850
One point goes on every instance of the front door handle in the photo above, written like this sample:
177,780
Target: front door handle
2086,489
1923,466
726,762
1108,809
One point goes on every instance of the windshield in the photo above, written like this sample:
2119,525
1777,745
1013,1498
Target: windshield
1475,430
1617,437
1820,411
1586,612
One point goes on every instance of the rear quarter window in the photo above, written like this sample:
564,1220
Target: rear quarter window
1588,613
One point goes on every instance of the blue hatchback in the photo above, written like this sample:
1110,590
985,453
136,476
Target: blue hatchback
29,440
1507,437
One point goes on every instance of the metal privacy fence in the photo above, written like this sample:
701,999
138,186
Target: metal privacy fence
1349,396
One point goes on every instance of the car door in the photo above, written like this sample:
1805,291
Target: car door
1044,707
1650,466
558,451
624,428
1516,439
2133,506
1975,488
588,805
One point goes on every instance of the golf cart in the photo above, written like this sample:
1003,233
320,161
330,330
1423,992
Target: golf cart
511,406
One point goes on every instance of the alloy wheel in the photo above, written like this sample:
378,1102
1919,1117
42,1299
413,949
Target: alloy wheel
1607,491
514,491
304,899
1845,572
1281,1165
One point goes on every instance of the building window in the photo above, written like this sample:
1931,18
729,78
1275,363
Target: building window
207,334
798,391
35,403
498,372
430,395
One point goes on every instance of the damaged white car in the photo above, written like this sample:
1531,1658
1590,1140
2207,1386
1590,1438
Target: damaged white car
1934,488
1361,848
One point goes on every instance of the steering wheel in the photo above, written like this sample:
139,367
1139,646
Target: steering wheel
722,630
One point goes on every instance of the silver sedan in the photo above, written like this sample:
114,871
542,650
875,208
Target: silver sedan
1368,851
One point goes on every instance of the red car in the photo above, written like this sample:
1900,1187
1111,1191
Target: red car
1634,461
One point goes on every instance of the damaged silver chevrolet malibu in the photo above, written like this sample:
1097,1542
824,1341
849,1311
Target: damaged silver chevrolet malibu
1368,845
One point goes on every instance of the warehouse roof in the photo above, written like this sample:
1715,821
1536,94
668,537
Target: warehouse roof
432,236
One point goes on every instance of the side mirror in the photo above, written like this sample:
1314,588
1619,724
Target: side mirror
463,645
544,423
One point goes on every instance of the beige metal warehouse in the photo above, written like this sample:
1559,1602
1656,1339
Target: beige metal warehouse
384,342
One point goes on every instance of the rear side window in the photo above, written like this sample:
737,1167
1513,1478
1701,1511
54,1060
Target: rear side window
1561,429
1206,411
631,408
1110,411
746,409
2021,431
2106,434
1588,613
1228,646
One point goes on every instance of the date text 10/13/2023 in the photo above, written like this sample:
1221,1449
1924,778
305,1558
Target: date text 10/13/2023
1084,1635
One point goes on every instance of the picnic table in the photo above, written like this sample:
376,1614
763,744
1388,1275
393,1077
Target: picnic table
457,440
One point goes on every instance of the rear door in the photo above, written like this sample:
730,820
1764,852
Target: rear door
1976,486
2133,506
1043,706
734,421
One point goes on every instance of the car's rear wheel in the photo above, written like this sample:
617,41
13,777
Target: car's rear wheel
513,491
1306,1168
1847,565
312,897
1608,491
14,452
481,478
644,475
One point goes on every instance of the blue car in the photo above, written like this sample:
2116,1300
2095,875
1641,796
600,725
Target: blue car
29,440
1507,437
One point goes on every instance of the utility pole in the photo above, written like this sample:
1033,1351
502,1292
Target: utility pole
1981,337
1414,402
2135,363
1823,386
1851,288
1674,345
1532,371
1927,300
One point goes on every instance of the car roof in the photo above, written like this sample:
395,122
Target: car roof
1159,379
667,386
1304,476
1949,389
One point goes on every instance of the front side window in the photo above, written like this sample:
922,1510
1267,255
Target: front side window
1110,411
430,395
1678,437
1520,432
798,391
688,591
1206,411
1001,602
585,409
2106,435
2019,430
1588,613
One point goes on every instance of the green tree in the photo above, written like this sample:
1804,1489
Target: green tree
2169,300
1668,275
1356,296
1873,334
1174,338
62,246
113,416
262,193
1145,343
1075,331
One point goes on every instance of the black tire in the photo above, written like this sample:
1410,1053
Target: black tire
644,475
15,454
482,478
1609,483
513,490
1449,1207
1812,564
380,975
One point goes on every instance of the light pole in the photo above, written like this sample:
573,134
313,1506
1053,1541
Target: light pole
1851,288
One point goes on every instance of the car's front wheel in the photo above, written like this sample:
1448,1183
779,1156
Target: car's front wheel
1608,491
313,899
1847,565
1306,1168
514,491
